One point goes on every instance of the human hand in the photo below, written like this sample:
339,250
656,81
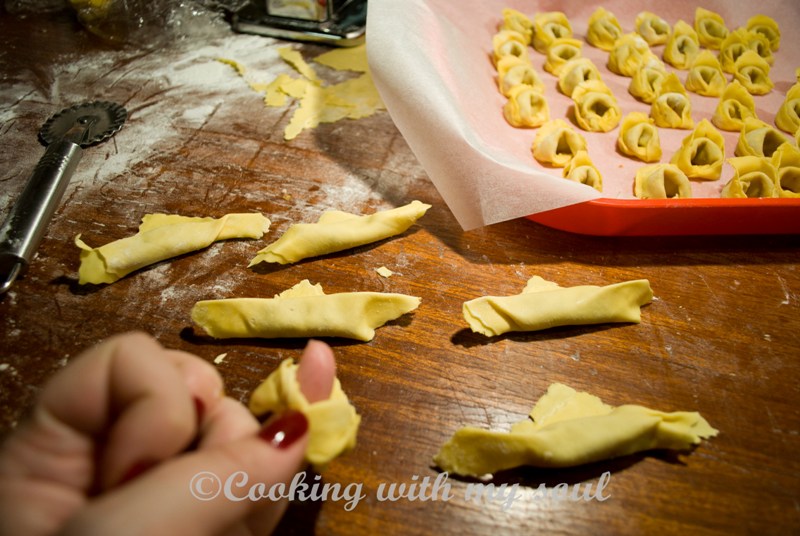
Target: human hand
117,436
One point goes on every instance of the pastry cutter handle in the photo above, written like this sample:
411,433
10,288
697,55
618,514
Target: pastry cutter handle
27,222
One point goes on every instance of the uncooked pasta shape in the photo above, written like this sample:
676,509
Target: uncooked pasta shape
596,108
766,26
672,108
560,52
735,105
661,181
604,29
758,138
581,169
526,107
710,28
337,231
513,71
653,29
567,428
788,117
740,41
161,237
753,176
638,137
701,153
629,53
786,161
509,43
517,22
556,142
302,311
549,26
752,71
682,46
575,72
645,85
544,304
332,423
705,75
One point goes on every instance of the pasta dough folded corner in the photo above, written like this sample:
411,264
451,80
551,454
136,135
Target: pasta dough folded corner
544,304
302,311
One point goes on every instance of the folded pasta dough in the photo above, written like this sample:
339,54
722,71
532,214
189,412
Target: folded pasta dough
509,43
526,107
513,71
596,108
735,105
752,71
332,423
710,28
661,181
638,137
758,138
682,46
753,176
338,231
556,142
575,72
672,108
302,311
547,27
788,117
581,169
766,26
705,75
646,84
160,237
701,153
786,161
543,304
653,29
567,428
561,51
629,53
604,29
518,22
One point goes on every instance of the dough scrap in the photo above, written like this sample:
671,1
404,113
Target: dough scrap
337,231
543,304
302,311
567,428
332,423
160,237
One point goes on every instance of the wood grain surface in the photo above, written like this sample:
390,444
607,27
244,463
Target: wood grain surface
722,336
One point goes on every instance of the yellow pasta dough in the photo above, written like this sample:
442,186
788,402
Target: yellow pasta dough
513,71
646,84
661,181
518,22
543,304
672,108
757,138
753,176
575,72
556,142
560,52
766,26
705,75
788,117
740,41
526,107
710,28
638,137
604,29
701,153
337,231
581,169
161,237
547,27
596,108
786,161
752,71
629,53
567,428
653,29
509,43
302,311
682,46
332,423
735,105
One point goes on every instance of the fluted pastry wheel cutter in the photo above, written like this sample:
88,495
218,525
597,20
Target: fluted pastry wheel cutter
65,134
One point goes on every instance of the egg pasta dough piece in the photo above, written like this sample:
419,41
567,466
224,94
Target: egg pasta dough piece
682,46
735,105
547,27
710,28
753,176
581,169
653,29
596,107
661,181
638,137
604,29
701,153
556,142
786,162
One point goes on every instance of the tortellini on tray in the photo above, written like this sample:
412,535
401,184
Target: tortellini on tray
603,30
630,52
752,71
682,46
575,72
560,52
758,138
332,423
766,26
517,22
638,137
661,181
547,27
513,71
753,176
596,108
646,84
567,428
701,153
544,304
788,117
705,75
653,29
672,108
509,43
786,161
740,41
161,237
556,143
710,28
338,231
302,311
735,105
526,107
581,169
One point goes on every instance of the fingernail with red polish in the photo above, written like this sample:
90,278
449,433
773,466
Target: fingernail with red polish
136,470
282,431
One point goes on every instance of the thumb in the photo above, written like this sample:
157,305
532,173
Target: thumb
207,491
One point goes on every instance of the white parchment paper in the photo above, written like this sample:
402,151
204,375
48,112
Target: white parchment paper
431,63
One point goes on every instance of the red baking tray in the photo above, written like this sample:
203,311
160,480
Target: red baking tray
669,217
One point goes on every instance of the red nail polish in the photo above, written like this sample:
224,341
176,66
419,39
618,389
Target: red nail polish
136,470
199,409
282,431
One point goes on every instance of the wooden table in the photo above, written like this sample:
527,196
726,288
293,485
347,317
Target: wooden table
722,336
